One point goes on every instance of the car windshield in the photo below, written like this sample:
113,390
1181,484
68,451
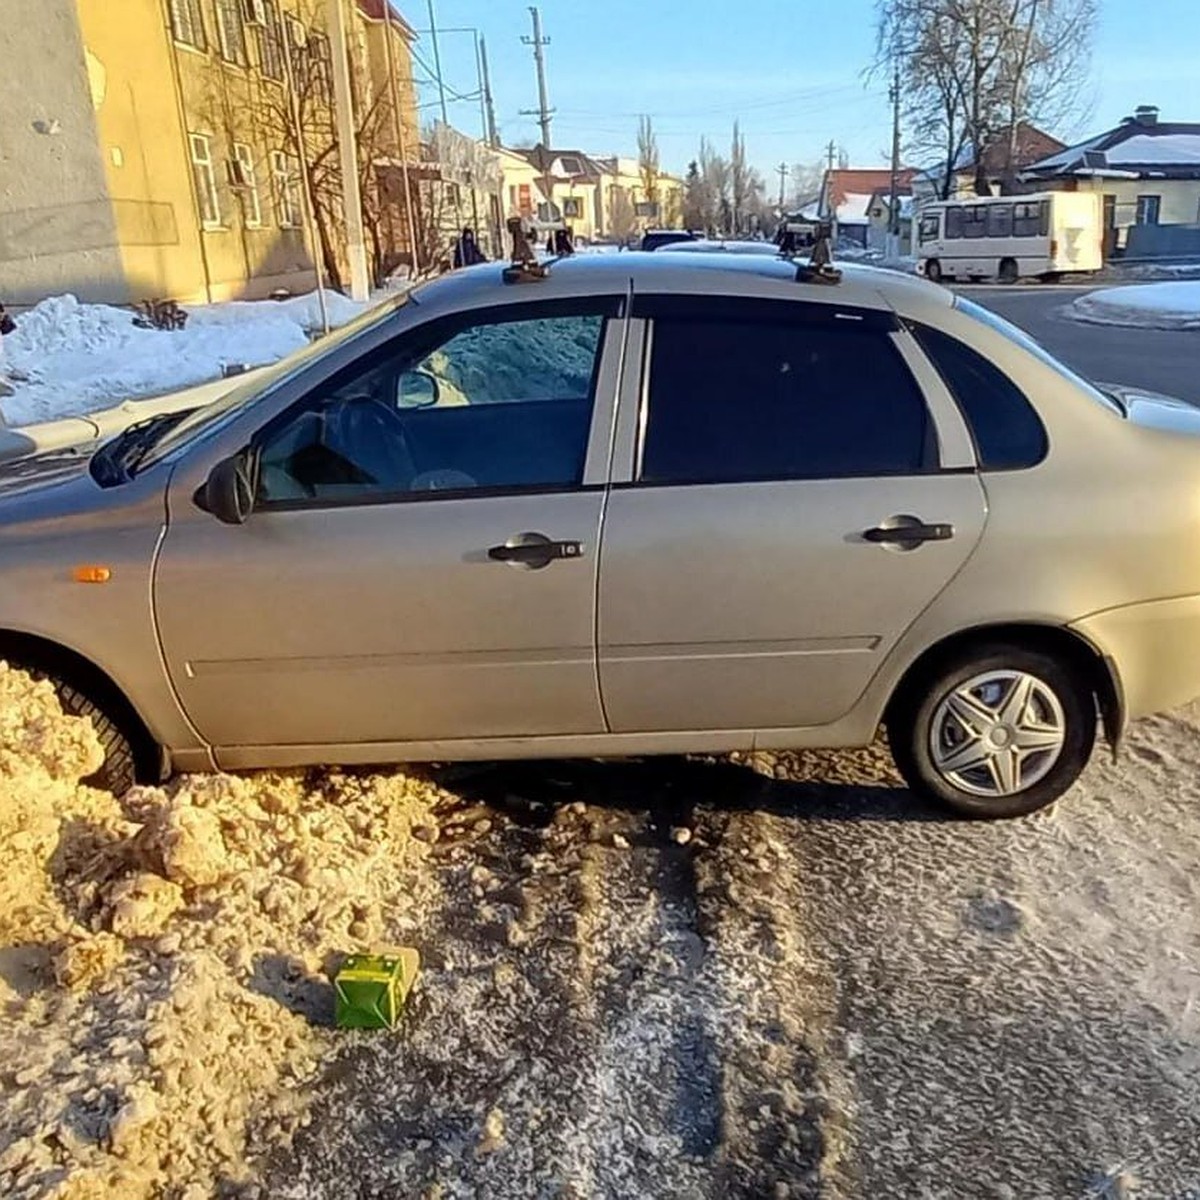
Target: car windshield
986,317
201,420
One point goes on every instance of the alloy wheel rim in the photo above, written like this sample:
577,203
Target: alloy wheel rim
997,734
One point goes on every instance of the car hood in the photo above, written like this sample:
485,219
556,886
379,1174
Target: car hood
1156,411
36,472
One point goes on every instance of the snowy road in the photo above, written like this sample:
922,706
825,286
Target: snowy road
1163,360
824,990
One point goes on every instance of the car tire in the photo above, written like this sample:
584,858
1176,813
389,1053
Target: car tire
933,271
126,757
1009,272
930,736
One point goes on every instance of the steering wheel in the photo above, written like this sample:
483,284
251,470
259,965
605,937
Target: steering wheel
369,436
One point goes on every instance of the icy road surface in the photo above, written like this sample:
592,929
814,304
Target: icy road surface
693,979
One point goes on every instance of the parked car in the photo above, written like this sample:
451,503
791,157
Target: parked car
656,239
628,504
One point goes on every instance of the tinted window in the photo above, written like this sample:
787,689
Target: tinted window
499,403
999,220
975,222
1007,432
732,400
954,222
1030,219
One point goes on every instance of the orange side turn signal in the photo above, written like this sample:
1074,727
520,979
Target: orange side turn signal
90,573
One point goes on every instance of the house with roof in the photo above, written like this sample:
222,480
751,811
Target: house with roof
596,197
879,223
847,197
1003,159
1148,173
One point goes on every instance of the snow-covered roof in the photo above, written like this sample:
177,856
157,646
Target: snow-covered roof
1137,146
854,208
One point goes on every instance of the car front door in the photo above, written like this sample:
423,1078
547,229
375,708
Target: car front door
791,504
420,563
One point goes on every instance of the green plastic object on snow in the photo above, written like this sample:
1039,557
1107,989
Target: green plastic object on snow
371,988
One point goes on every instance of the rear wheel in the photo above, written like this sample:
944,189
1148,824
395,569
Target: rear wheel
1008,272
998,731
933,271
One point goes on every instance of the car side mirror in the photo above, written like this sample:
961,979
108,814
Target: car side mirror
231,487
418,389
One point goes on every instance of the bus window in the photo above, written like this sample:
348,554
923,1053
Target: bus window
999,220
930,227
954,223
975,222
1029,219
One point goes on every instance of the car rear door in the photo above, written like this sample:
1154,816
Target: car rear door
788,505
420,565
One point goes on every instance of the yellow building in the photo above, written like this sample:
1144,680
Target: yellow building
599,198
157,156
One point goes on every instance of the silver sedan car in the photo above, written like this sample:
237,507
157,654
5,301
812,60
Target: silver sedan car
635,504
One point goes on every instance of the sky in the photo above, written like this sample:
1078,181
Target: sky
791,72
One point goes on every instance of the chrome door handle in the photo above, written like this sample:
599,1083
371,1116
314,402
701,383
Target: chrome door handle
534,550
910,532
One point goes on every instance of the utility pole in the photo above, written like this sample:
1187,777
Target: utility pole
830,152
537,42
894,199
356,248
493,137
437,63
782,170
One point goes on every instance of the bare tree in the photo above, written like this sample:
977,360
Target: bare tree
648,160
804,182
622,220
716,175
974,70
739,178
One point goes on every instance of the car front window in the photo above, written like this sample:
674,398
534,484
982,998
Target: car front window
1019,337
210,416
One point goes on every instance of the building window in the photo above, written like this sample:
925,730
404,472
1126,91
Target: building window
286,169
206,181
246,181
572,206
231,31
187,24
270,42
1148,209
319,65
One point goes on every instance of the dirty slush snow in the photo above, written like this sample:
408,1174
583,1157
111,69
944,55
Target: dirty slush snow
164,958
765,976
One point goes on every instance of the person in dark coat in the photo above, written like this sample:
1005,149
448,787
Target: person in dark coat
466,250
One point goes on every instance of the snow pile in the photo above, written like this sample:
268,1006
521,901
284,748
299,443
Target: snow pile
67,358
164,958
1174,305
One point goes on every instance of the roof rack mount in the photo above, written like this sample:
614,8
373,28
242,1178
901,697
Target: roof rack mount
817,264
523,266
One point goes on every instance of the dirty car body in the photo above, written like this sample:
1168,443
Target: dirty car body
646,504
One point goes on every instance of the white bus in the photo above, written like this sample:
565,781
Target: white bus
1007,237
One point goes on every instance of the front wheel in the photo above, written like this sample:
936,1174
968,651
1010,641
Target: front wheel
997,732
933,271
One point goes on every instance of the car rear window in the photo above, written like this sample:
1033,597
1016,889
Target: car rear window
1007,431
744,394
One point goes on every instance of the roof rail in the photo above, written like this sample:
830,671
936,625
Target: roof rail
523,266
817,264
